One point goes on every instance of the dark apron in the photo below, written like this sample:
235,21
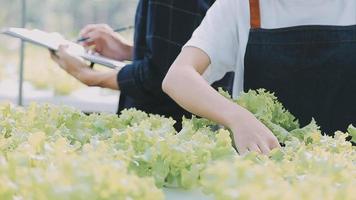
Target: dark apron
311,69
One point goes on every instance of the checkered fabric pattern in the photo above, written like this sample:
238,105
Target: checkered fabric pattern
162,27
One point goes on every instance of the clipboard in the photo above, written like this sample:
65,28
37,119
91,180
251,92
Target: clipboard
52,41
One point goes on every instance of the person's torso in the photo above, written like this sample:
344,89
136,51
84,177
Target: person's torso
288,13
162,27
167,20
311,69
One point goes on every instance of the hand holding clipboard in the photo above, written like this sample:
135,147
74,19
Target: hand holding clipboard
52,41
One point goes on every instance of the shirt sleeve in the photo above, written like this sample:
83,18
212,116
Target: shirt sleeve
139,80
217,37
161,31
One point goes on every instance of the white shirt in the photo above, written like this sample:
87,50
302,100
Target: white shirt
224,32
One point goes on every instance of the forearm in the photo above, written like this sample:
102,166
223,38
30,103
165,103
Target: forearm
126,49
98,79
129,52
188,88
121,52
76,67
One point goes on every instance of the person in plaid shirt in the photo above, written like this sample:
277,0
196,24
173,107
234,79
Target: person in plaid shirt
162,27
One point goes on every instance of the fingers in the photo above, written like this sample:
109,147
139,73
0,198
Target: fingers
59,55
103,28
264,148
273,143
53,55
92,27
254,148
242,151
89,43
271,139
62,51
88,29
94,38
252,135
261,144
261,148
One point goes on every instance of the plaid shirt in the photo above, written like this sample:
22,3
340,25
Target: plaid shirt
162,27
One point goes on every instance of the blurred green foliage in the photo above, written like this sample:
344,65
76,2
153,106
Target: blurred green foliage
64,16
68,16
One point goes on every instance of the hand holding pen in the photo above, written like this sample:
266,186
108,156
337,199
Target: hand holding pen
106,41
83,39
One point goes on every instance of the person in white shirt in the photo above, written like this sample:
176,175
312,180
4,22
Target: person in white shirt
302,50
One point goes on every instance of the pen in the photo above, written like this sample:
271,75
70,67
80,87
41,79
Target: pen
116,30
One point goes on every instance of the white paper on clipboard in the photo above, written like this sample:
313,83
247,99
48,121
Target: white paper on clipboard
53,40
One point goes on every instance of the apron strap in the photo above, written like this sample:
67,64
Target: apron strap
255,15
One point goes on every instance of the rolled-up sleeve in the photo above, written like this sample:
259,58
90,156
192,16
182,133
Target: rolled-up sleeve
139,80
